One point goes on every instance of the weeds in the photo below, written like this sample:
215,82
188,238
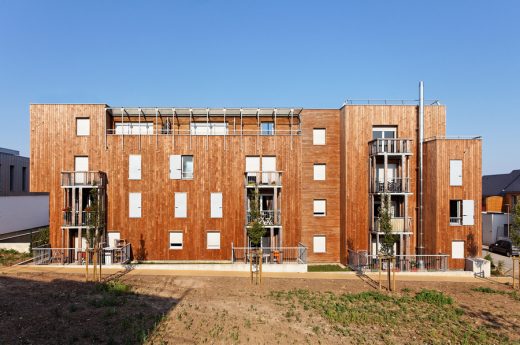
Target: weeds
327,268
513,294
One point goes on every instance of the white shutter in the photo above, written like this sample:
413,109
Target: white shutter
213,240
135,205
175,167
216,205
252,164
112,238
80,166
319,172
318,136
268,164
82,127
468,212
319,244
320,207
134,167
176,240
455,173
457,249
181,208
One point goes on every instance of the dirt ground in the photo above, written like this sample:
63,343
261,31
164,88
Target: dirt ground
54,308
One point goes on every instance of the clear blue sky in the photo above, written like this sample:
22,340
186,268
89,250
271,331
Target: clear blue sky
267,53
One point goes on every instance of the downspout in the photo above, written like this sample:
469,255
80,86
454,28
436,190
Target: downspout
420,234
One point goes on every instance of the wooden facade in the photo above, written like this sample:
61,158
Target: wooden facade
219,164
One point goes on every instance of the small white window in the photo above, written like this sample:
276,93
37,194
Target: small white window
320,206
318,136
455,173
82,126
134,167
181,167
213,240
135,205
319,244
457,249
319,172
176,240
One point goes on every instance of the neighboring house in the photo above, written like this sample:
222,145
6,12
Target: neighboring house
500,194
177,182
21,212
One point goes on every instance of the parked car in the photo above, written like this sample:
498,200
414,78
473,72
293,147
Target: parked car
504,247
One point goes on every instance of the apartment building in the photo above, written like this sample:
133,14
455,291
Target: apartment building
177,183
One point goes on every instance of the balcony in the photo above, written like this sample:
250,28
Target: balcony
399,224
83,178
72,219
263,179
390,146
395,185
268,218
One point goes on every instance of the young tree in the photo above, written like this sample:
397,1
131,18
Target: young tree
385,226
514,232
256,228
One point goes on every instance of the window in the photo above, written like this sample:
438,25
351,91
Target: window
11,178
24,179
181,207
211,128
143,128
267,128
319,172
80,168
134,205
82,127
457,249
134,167
455,173
216,205
319,244
113,238
320,208
384,132
181,167
176,240
455,212
213,240
318,136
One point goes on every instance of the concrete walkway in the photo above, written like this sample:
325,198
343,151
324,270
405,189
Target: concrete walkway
452,276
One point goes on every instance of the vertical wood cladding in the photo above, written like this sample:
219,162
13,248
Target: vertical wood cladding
439,234
327,189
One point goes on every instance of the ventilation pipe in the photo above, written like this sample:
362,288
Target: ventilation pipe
420,233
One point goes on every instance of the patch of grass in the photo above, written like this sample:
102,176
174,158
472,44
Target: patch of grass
114,287
513,294
327,268
10,257
433,297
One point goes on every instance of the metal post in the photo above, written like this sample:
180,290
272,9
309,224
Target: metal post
225,128
380,266
207,127
139,120
123,128
174,115
191,113
420,240
156,131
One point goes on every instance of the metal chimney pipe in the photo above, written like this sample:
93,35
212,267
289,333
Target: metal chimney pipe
420,233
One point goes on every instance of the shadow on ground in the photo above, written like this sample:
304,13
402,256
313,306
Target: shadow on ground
55,311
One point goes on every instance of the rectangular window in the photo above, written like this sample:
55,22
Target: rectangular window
176,238
82,127
135,205
213,240
113,238
216,205
320,206
181,205
318,136
134,167
24,179
379,132
181,167
455,173
319,172
11,178
319,244
267,128
455,212
211,128
457,249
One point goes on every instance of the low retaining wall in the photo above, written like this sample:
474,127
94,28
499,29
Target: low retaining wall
221,267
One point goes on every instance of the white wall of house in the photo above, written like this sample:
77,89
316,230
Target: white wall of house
23,212
493,227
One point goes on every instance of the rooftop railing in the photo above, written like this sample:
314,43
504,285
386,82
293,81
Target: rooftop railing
390,146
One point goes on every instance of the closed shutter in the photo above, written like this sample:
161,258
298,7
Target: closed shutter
112,238
181,208
213,240
82,127
175,167
216,205
176,240
468,212
319,172
134,167
319,244
252,164
455,173
320,207
457,249
135,205
318,136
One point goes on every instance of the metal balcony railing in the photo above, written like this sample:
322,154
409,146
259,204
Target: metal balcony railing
263,178
72,218
270,255
269,217
399,224
361,261
390,146
83,178
394,185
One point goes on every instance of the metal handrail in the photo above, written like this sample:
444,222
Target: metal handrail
230,132
253,178
390,146
71,218
399,224
267,217
83,178
271,255
362,261
393,185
